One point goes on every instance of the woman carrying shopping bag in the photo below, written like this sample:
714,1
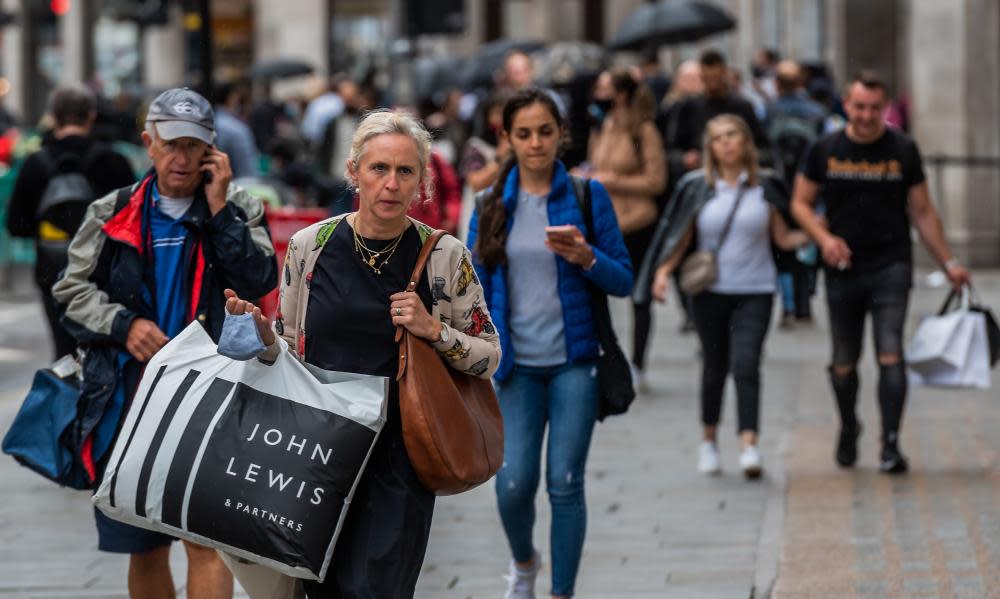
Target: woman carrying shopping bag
341,299
529,241
626,155
727,213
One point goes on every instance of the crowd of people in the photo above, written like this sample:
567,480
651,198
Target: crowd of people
729,192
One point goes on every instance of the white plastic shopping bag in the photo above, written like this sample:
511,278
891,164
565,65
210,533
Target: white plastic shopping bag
951,349
258,461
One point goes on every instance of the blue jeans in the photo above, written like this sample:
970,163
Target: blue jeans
566,398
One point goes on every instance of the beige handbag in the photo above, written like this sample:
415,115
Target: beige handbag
700,270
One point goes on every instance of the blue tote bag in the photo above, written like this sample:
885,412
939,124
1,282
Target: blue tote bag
35,439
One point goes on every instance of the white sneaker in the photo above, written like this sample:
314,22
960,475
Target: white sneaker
521,583
750,462
708,458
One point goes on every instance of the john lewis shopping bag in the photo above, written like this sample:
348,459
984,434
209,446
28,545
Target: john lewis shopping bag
258,461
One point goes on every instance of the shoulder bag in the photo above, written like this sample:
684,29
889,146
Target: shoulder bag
613,373
452,426
700,270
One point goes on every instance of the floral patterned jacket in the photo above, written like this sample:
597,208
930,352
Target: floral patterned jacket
458,301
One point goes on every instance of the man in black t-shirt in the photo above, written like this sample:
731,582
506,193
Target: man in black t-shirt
872,182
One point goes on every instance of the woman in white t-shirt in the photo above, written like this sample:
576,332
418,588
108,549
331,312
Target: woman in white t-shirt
731,316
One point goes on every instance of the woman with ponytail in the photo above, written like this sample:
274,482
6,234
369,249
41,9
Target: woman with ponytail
626,155
530,250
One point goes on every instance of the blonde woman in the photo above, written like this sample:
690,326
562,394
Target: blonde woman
342,297
733,315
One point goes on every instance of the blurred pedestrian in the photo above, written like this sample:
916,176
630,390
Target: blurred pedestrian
872,181
487,149
54,188
536,279
717,98
793,123
321,110
625,155
333,152
730,208
340,307
686,84
128,290
233,136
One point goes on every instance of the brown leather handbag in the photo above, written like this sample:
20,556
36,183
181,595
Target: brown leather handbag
452,427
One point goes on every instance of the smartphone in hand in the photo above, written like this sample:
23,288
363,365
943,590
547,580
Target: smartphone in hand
206,176
564,233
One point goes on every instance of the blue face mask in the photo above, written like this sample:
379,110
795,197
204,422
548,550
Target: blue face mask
599,109
240,338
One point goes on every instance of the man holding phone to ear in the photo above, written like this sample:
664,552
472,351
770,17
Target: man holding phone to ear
148,260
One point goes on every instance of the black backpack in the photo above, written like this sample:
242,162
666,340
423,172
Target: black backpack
790,137
64,201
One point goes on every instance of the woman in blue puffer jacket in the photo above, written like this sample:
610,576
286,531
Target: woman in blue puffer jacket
531,254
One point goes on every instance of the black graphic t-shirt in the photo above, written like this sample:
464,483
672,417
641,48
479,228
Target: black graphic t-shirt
865,188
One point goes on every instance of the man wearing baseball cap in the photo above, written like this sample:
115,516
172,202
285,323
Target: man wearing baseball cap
148,260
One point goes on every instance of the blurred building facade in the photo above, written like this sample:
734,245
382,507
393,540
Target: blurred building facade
943,56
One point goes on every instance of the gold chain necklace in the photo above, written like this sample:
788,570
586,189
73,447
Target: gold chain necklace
371,257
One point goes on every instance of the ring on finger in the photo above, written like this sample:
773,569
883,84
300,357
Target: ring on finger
399,311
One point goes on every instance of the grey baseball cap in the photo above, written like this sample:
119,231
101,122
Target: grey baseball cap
181,112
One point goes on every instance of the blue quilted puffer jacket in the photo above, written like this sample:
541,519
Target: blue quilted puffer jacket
612,272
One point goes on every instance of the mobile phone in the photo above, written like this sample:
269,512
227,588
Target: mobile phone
564,232
206,176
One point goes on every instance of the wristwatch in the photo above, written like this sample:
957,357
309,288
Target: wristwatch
445,335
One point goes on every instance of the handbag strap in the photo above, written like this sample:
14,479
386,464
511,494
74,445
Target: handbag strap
418,270
730,218
599,298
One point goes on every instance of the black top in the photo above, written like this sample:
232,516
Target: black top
865,188
348,326
695,112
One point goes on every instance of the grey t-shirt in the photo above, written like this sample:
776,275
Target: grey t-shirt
536,318
746,264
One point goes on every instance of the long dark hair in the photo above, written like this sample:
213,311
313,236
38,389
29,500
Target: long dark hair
491,243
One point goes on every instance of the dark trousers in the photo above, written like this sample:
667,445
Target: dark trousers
884,293
637,244
732,329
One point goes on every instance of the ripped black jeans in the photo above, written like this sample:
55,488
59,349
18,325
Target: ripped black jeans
885,293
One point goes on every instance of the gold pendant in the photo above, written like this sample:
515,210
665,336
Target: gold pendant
371,262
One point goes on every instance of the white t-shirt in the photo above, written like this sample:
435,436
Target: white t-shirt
745,262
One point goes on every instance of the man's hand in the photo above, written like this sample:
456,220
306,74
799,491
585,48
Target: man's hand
144,339
958,275
835,252
216,163
236,306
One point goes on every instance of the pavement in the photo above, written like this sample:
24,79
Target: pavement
656,527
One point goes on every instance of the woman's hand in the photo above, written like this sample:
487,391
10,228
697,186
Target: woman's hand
236,306
573,248
661,284
409,312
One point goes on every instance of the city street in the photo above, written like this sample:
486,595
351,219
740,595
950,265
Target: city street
656,527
